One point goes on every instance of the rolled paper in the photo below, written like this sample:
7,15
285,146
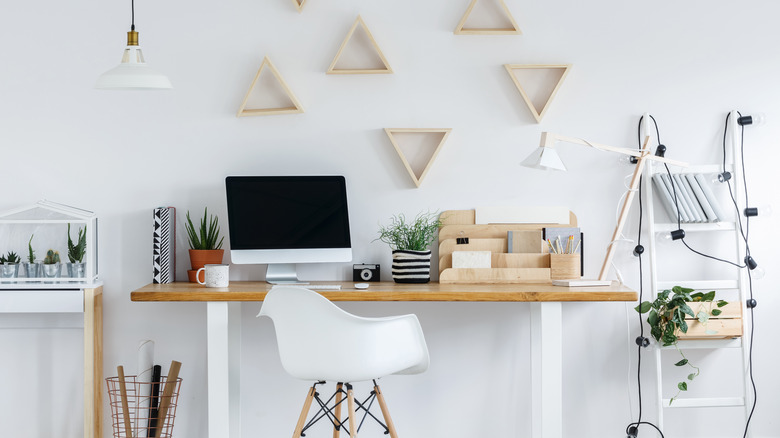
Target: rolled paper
144,375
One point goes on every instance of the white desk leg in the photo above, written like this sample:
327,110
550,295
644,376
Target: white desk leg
546,370
224,362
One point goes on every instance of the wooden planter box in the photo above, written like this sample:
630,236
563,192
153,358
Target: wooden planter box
726,325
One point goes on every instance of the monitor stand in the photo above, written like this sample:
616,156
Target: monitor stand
282,273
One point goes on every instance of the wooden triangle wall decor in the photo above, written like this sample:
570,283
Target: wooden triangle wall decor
514,29
417,177
560,69
294,108
345,71
299,4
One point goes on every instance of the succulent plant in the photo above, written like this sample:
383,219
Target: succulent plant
10,257
76,252
52,257
31,255
204,237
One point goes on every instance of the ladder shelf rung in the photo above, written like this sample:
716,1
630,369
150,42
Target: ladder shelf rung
709,402
691,227
699,284
703,344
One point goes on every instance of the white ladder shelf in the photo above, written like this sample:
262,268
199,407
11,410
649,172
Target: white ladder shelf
735,280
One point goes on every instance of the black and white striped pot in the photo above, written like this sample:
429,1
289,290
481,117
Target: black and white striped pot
411,266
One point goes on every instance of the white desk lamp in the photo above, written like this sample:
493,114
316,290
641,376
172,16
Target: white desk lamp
546,157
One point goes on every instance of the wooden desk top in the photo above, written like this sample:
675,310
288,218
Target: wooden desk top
390,291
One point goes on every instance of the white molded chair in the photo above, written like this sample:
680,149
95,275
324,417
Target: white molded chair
318,341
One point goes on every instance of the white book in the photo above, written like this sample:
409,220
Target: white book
705,187
705,204
676,196
683,194
688,195
666,197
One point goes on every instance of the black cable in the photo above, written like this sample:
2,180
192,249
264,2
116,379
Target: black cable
132,14
640,345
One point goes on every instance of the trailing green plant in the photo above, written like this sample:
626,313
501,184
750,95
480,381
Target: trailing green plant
52,257
667,319
31,253
415,235
76,252
207,235
10,257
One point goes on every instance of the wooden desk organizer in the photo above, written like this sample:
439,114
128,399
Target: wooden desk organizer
537,267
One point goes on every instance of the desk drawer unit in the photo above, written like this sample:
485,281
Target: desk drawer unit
41,301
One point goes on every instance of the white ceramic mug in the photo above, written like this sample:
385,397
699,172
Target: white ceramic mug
214,275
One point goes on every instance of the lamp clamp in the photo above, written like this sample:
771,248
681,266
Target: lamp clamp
642,341
638,250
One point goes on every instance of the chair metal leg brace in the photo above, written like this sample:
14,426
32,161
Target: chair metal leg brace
334,412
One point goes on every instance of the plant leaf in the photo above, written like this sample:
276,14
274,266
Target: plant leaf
709,296
683,326
716,312
722,303
643,308
687,310
711,332
691,376
653,318
682,386
703,316
681,363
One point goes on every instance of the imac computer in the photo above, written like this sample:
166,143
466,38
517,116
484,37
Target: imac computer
285,220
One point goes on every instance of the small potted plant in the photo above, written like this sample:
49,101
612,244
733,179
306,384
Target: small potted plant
31,268
51,264
667,320
76,253
10,263
410,242
205,243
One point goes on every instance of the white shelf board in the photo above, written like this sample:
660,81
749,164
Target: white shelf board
61,284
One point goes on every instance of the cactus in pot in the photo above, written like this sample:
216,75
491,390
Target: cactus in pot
76,253
51,264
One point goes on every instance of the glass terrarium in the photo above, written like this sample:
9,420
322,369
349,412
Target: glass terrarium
48,244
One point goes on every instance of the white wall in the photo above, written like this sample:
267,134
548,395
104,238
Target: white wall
123,153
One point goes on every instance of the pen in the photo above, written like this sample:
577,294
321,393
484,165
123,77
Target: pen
578,246
552,248
558,242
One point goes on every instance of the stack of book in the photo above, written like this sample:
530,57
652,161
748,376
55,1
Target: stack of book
695,200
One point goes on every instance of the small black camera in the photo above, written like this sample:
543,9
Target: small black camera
365,272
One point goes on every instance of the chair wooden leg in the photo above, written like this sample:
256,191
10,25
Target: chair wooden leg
304,413
351,407
385,412
337,410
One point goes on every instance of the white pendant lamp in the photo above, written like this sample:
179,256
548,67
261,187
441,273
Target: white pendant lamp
132,73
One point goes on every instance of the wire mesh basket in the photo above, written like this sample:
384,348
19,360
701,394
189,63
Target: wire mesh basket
146,410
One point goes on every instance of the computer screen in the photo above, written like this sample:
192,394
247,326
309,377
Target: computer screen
285,220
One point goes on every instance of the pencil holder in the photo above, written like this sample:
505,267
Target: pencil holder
564,266
143,411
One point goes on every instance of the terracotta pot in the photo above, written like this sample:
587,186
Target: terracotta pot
201,257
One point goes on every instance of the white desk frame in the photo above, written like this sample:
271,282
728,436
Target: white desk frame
224,355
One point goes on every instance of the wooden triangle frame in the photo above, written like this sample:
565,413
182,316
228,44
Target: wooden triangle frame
514,30
299,4
332,70
417,180
510,68
295,109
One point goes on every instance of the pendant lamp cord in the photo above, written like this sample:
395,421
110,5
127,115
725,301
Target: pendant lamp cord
132,14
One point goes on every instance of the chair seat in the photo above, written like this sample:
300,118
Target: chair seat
319,341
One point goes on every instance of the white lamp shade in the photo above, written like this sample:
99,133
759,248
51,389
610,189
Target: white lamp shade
544,158
132,74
